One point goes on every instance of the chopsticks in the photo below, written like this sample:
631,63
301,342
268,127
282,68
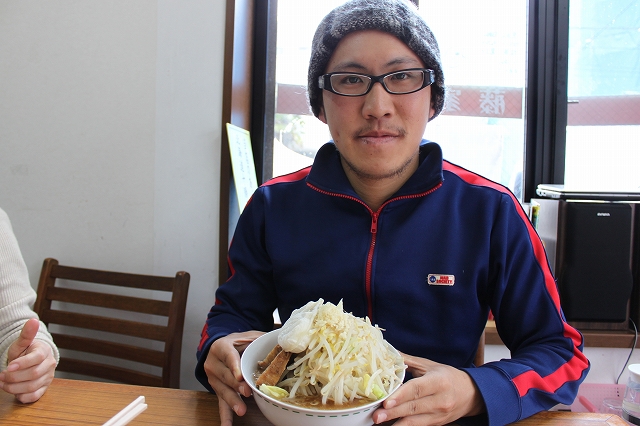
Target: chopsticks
128,413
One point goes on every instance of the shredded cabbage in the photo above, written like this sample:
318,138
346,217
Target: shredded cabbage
274,391
339,356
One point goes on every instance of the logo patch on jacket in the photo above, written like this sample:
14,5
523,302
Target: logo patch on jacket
441,279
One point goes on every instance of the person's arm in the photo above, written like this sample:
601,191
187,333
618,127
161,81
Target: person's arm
437,394
243,311
246,301
31,365
224,376
16,309
547,364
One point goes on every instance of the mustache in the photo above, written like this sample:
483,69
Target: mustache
391,130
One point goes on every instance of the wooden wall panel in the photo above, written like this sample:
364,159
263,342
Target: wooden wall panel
236,104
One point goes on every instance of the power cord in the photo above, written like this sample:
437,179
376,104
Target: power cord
635,340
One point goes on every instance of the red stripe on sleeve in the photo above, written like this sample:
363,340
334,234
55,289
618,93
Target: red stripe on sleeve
204,336
569,371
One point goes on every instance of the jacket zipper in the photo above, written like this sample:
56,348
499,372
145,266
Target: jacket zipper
374,232
372,246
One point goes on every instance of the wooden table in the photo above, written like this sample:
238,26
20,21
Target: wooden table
77,402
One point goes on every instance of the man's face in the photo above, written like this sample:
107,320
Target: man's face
377,134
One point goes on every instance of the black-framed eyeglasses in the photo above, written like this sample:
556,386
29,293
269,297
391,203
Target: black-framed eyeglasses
396,82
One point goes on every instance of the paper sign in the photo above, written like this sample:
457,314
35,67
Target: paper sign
244,170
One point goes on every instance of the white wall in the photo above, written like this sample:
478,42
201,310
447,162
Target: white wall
110,124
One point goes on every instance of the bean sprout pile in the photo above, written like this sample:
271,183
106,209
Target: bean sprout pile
338,356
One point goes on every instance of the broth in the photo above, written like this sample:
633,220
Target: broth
314,402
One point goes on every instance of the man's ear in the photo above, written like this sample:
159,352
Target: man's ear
321,115
432,111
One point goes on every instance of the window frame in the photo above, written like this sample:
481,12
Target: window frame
546,94
249,55
545,97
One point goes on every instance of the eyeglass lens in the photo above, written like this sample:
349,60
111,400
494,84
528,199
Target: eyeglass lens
358,84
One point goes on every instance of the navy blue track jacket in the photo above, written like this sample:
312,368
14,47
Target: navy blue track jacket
449,247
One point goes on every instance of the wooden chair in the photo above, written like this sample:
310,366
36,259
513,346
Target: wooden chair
479,359
109,343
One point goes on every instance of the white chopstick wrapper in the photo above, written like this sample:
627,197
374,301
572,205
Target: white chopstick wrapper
128,413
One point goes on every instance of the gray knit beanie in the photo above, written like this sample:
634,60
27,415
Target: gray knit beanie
397,17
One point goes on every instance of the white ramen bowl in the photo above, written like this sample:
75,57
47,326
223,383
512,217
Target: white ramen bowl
281,413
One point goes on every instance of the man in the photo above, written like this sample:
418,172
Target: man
422,247
28,356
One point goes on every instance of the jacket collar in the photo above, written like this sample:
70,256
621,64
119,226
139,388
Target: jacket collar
328,175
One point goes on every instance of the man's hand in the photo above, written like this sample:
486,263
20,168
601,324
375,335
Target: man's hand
438,394
222,367
31,365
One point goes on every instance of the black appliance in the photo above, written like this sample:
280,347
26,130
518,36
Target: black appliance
590,245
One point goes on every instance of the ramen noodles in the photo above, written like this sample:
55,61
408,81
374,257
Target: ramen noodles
336,357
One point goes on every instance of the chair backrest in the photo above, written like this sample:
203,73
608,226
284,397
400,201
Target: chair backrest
479,359
94,343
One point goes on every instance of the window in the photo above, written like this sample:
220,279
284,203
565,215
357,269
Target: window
297,133
603,119
484,60
483,46
509,82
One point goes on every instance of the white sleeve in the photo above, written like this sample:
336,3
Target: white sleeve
16,294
